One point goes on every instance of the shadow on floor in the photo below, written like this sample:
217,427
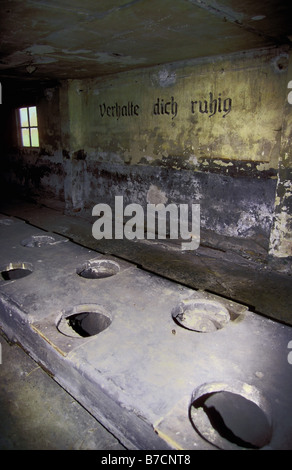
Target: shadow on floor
37,414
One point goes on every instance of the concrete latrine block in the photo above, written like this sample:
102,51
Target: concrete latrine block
160,365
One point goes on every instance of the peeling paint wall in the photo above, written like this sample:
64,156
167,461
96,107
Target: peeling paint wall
206,113
35,172
206,131
281,234
215,132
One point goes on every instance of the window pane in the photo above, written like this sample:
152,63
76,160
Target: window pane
23,117
25,137
33,116
28,124
34,137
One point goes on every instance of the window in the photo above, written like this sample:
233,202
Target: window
29,126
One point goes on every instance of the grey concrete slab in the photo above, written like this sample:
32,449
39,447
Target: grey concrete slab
164,346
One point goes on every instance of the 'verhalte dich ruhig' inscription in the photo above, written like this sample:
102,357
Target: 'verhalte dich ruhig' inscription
210,106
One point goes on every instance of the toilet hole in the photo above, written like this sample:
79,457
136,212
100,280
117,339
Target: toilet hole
98,269
84,321
88,323
6,222
229,421
201,315
38,241
14,271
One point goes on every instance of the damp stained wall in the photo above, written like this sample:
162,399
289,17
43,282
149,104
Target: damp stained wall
212,131
222,110
281,233
32,172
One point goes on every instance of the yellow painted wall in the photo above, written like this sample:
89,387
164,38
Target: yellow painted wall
226,109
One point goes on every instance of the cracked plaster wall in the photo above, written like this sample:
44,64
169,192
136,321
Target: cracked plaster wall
281,233
34,172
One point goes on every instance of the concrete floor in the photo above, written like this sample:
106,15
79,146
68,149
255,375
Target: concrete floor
37,414
25,388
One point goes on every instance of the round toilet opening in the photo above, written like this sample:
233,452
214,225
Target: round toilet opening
88,323
6,221
98,269
37,241
84,321
202,315
13,271
230,420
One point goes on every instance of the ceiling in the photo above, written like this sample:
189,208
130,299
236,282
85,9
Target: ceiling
60,39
